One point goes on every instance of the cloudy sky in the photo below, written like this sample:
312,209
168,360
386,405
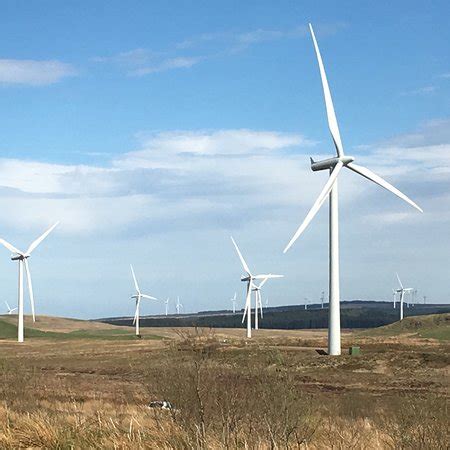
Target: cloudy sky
155,130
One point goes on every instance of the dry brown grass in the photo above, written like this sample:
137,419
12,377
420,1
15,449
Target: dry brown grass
228,392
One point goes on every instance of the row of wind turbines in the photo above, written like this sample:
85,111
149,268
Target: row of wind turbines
254,283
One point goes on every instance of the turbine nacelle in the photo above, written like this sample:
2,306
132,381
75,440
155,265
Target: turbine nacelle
330,163
18,257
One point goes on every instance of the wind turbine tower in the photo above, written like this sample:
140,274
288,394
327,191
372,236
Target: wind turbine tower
402,291
22,258
138,296
167,305
178,306
233,301
334,165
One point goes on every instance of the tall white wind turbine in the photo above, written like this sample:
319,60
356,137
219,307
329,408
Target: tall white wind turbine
249,279
138,296
334,166
10,310
22,258
402,291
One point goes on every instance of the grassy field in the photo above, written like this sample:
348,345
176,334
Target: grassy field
76,384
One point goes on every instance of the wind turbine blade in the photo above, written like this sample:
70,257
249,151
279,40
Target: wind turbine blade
366,173
30,287
244,264
149,297
319,202
136,312
267,275
35,243
244,315
263,282
248,301
135,281
6,303
10,247
331,115
398,278
260,304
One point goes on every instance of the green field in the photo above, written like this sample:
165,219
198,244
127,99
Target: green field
435,326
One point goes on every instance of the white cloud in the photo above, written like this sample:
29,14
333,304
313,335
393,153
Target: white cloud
171,171
179,62
219,177
32,72
141,61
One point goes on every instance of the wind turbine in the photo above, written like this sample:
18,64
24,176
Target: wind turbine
138,296
178,306
258,302
10,310
402,291
394,296
22,258
167,305
334,166
249,278
322,298
233,301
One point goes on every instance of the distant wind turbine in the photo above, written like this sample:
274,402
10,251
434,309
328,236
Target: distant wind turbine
167,305
22,258
322,298
233,301
402,291
258,302
334,166
249,278
138,296
10,310
178,306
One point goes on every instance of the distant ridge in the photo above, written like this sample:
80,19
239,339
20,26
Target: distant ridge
354,314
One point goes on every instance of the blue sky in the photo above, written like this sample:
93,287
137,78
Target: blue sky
154,130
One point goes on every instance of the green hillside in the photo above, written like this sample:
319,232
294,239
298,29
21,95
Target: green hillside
434,326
